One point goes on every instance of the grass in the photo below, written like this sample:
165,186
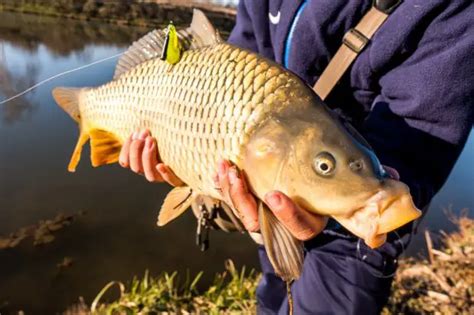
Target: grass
232,292
444,285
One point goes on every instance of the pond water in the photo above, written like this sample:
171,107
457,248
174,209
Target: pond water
117,237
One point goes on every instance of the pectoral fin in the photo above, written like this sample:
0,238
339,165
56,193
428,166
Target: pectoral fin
284,251
105,147
176,202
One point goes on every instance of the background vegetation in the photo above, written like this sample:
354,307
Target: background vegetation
144,13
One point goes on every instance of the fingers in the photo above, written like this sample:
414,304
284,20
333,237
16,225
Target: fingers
125,152
223,180
136,150
301,223
140,154
244,201
168,175
150,161
233,188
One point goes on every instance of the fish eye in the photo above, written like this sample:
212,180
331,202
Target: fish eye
324,164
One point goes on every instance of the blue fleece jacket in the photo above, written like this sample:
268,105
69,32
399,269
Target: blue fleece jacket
410,92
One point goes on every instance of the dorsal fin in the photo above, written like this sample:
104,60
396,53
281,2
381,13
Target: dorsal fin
200,34
146,48
203,31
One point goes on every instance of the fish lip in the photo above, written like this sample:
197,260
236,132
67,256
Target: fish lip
401,211
387,205
393,207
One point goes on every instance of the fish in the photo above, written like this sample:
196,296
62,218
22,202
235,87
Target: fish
219,102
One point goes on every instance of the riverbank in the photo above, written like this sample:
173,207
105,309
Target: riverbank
140,13
443,284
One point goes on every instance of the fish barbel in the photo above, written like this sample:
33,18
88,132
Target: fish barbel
222,102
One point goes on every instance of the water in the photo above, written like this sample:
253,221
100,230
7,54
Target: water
117,237
221,2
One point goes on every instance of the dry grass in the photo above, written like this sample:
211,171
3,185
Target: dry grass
443,286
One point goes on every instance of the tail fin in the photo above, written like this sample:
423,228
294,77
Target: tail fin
68,99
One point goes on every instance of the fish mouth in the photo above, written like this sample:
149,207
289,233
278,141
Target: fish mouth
395,208
386,210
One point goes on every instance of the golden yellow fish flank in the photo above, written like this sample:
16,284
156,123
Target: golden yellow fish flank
223,102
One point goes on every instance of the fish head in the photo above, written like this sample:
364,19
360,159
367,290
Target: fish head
311,157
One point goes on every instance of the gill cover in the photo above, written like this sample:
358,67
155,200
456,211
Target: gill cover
265,157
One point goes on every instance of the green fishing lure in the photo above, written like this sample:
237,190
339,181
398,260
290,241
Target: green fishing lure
171,47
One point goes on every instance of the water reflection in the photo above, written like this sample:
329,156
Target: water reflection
29,32
11,83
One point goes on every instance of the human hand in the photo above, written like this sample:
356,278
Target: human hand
140,154
302,224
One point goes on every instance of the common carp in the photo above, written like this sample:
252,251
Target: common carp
223,102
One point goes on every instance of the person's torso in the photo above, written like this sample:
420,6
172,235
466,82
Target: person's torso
303,35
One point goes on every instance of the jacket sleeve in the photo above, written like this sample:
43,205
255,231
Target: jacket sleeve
421,120
243,34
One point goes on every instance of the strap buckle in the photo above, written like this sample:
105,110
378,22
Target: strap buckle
355,40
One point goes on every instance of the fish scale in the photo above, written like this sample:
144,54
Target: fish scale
197,119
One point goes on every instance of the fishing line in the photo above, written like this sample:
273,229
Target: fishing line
59,75
381,275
